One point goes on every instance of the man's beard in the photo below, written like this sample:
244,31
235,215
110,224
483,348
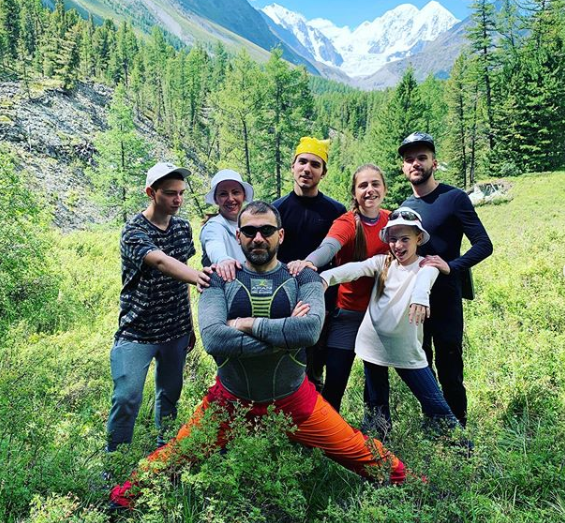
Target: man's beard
423,177
259,258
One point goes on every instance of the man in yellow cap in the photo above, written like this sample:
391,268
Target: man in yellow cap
307,215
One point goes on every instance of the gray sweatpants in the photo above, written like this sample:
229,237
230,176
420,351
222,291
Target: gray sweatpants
129,364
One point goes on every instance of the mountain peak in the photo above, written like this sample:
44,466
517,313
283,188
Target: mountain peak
396,34
433,4
281,15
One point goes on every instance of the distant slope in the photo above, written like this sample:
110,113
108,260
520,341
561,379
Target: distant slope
238,25
241,18
233,22
436,58
237,16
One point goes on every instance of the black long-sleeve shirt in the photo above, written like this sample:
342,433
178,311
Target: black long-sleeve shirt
305,221
448,214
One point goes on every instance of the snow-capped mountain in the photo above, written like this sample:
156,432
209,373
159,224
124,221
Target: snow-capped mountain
314,42
398,33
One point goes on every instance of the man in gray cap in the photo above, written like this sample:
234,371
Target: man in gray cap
155,319
447,214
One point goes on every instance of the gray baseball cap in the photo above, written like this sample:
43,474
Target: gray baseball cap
417,138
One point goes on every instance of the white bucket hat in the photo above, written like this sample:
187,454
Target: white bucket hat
162,169
404,216
225,175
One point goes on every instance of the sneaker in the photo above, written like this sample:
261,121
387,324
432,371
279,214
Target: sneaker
376,425
398,474
121,496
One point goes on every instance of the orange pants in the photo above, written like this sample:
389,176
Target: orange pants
323,428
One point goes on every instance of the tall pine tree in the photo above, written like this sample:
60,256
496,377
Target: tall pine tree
122,160
239,109
289,104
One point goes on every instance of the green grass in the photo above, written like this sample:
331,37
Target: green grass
55,394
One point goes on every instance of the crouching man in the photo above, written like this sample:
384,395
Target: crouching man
256,328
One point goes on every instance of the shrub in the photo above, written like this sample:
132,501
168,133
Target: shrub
26,282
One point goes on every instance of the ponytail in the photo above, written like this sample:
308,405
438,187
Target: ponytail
360,242
383,275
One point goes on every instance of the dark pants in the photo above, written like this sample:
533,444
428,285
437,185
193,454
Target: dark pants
443,342
316,355
315,362
343,325
338,368
423,385
449,366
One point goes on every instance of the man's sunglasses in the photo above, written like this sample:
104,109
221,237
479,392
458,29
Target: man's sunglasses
407,215
250,231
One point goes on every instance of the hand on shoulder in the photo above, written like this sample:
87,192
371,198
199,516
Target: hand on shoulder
295,267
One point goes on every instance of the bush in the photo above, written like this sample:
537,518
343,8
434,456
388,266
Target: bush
26,282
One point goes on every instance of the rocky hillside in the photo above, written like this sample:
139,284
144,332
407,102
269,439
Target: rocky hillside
51,133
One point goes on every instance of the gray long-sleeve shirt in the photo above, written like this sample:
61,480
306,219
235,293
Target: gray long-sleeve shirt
270,363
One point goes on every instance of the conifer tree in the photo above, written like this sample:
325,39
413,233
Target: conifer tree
68,59
239,109
51,42
122,56
534,109
32,16
86,51
9,31
197,76
122,160
458,117
175,96
220,65
481,38
156,57
434,107
289,103
138,76
104,41
401,115
60,47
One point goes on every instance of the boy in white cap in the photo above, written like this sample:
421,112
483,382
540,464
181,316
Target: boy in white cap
155,319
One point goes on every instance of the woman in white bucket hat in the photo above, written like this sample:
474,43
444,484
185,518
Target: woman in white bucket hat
219,245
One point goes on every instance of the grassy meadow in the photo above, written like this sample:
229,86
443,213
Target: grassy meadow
55,389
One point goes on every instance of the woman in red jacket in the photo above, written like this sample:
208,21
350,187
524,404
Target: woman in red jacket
354,236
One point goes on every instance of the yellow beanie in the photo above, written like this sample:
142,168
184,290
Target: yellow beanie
313,146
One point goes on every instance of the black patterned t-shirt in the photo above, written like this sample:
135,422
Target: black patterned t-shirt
154,308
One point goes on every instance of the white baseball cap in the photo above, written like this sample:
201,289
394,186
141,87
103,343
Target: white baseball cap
223,176
162,169
404,216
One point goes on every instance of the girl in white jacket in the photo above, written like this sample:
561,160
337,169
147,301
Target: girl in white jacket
391,332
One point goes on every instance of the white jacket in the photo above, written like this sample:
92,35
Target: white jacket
385,336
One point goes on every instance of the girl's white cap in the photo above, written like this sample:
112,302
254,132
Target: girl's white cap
404,216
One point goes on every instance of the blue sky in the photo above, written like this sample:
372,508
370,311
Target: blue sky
354,12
